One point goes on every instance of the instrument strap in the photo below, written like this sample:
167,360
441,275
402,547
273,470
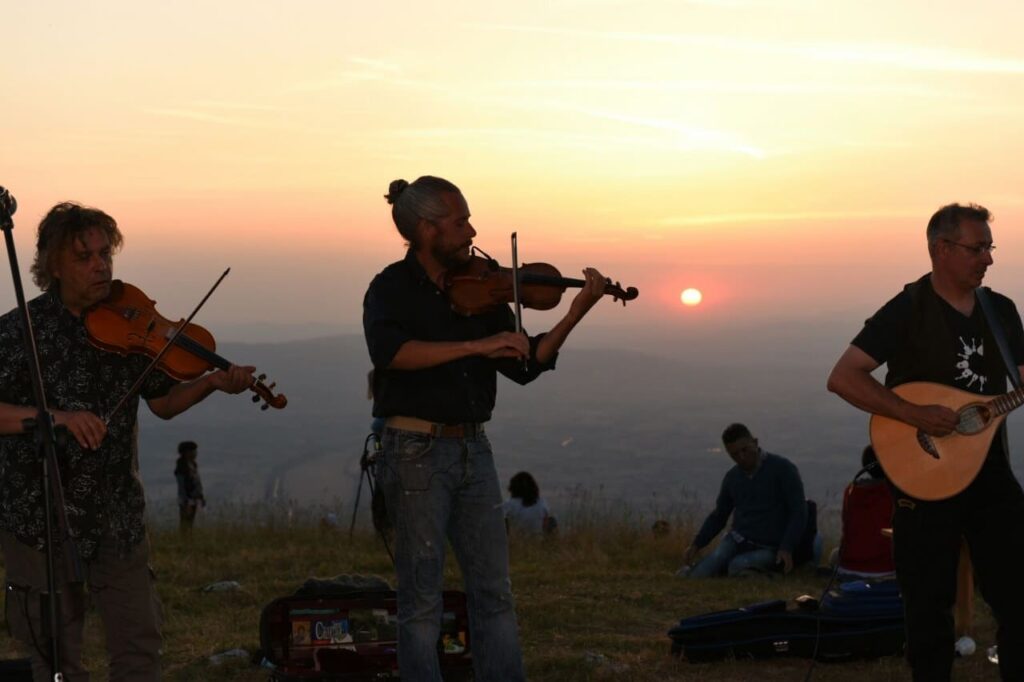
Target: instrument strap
997,331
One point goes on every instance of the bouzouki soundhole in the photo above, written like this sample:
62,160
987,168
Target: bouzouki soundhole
926,443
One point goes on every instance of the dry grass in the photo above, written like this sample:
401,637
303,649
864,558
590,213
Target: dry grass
601,588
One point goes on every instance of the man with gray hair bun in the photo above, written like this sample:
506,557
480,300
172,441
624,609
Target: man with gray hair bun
434,382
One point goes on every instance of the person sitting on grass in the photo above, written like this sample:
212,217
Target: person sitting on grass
765,496
526,511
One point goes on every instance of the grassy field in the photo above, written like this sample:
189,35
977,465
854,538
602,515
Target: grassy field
594,604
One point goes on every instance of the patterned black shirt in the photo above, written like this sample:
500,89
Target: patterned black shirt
102,488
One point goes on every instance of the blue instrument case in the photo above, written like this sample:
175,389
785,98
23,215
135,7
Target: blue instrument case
855,620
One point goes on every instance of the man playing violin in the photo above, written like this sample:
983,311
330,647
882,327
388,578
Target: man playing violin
104,499
935,330
434,383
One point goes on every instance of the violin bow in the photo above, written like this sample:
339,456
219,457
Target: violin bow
156,359
515,292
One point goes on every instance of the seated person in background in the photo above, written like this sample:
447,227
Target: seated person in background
765,496
526,511
867,508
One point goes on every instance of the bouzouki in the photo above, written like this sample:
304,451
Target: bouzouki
937,467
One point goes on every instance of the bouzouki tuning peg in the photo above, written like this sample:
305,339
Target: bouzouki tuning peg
255,398
264,406
261,377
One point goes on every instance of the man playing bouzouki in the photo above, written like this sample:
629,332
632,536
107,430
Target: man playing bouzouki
935,331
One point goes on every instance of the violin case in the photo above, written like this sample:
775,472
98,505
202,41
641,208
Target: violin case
346,632
856,620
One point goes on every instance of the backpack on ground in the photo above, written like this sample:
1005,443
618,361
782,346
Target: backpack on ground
346,631
804,550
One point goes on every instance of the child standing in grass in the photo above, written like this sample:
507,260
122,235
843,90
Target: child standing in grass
190,486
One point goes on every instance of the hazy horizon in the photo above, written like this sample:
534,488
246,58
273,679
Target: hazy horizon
640,427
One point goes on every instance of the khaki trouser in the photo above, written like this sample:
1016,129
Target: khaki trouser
122,589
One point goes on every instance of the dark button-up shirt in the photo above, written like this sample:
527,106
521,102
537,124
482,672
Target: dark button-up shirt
403,304
102,489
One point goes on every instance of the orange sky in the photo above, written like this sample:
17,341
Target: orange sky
780,156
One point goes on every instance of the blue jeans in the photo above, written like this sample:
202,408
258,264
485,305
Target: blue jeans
439,488
731,558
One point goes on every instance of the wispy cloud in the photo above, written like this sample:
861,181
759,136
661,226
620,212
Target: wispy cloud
733,4
518,137
376,64
732,218
902,56
686,137
683,138
722,87
196,115
365,70
237,106
276,123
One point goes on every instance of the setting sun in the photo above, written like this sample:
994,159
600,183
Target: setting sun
691,297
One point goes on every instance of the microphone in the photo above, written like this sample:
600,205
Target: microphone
8,204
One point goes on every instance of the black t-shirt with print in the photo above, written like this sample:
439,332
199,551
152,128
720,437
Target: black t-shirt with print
969,364
921,337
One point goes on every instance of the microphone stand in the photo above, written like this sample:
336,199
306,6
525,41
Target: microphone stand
42,428
515,294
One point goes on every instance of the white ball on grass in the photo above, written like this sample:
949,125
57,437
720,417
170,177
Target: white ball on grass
965,646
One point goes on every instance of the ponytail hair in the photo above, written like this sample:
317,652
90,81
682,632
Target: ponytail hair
420,200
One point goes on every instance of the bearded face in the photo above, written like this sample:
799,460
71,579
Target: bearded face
453,239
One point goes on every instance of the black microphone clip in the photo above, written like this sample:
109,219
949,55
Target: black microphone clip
8,206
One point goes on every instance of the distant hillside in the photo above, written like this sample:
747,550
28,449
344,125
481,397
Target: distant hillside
637,425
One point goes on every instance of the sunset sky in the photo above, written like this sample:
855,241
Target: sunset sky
781,156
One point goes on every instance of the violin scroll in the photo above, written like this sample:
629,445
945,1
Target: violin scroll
266,393
618,293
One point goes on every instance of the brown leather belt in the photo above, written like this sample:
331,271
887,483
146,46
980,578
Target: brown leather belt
467,430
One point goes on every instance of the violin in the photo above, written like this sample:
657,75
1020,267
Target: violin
481,284
127,322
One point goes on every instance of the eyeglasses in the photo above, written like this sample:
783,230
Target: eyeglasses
976,250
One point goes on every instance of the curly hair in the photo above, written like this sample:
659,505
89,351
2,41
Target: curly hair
64,223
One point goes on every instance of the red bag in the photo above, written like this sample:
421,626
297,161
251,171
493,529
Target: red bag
867,509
